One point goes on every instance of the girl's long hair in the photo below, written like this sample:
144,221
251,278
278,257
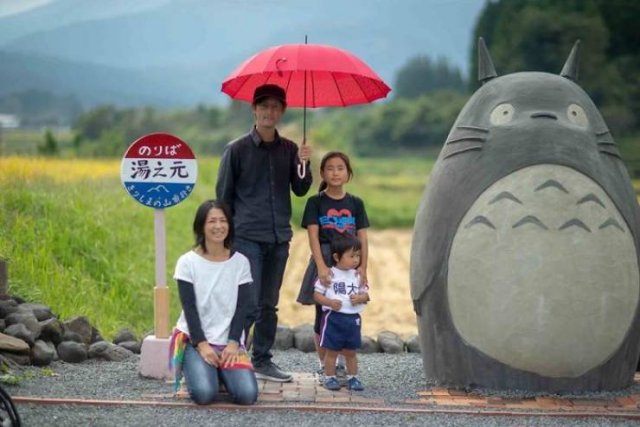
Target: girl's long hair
201,218
330,155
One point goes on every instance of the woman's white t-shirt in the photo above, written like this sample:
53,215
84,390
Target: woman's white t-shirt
215,284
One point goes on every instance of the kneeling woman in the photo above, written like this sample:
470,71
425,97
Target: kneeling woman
214,287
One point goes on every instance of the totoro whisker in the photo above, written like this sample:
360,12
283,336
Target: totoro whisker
611,153
575,222
463,150
553,184
603,132
530,219
480,219
590,198
466,138
505,195
606,143
611,222
477,128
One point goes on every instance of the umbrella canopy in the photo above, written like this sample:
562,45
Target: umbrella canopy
328,76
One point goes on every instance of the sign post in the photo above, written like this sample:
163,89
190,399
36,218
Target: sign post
159,171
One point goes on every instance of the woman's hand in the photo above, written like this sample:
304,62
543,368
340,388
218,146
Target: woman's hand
230,354
362,272
208,354
325,275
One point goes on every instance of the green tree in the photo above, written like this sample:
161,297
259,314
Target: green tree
49,146
420,75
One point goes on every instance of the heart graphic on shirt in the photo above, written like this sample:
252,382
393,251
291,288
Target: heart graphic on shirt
336,216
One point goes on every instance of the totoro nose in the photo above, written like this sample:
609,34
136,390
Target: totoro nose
543,115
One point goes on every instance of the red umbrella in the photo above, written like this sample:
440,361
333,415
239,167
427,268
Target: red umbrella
312,75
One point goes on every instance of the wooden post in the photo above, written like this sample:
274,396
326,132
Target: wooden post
4,278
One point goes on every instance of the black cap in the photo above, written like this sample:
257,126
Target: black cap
270,91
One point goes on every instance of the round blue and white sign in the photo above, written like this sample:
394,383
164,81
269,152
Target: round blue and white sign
159,170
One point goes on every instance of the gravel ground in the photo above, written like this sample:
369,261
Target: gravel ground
394,378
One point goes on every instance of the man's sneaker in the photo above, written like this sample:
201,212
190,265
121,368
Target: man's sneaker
354,384
271,372
331,383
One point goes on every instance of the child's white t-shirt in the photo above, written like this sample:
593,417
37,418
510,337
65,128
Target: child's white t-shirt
215,285
344,283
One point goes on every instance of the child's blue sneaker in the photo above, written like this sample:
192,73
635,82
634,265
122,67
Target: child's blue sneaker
354,384
331,383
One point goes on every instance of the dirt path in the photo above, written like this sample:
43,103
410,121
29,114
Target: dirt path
390,307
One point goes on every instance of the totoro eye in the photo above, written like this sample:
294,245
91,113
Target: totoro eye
577,115
502,114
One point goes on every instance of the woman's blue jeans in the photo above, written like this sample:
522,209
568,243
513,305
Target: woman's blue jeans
203,380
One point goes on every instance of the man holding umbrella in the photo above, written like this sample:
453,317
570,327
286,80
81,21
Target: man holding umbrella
257,172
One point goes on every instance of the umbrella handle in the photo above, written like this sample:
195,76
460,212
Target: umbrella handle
302,169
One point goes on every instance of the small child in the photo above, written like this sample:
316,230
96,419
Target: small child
342,302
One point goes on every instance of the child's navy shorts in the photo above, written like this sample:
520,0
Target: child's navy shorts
340,331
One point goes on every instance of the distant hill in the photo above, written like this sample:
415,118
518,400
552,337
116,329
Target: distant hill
177,52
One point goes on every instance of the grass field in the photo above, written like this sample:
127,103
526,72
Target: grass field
79,243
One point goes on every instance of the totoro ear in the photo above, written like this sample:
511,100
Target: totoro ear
486,70
570,69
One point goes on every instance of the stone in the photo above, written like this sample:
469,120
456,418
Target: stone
116,353
81,326
284,338
303,338
42,353
72,336
124,335
369,345
13,344
52,330
20,331
97,349
20,359
2,325
413,344
132,346
390,342
41,311
28,319
95,335
7,307
72,352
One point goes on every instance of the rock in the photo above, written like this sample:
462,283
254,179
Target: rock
116,353
13,344
108,351
95,335
390,342
72,336
8,307
124,335
26,318
132,346
20,331
20,359
81,326
303,338
284,338
41,311
369,345
2,325
42,353
413,344
52,330
97,349
72,352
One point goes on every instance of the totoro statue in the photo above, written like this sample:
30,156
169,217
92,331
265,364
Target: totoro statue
524,261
